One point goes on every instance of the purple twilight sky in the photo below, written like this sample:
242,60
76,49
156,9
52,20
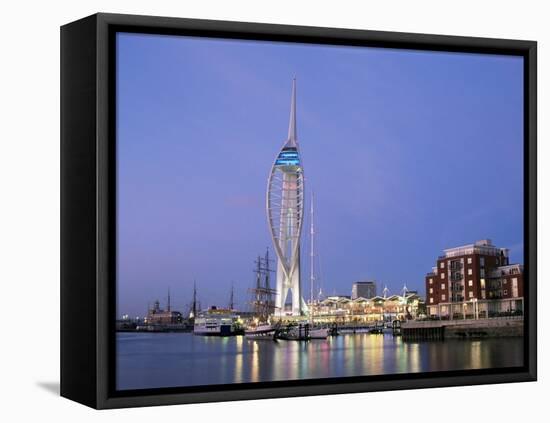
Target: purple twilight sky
408,153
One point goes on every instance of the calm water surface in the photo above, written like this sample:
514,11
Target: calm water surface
181,359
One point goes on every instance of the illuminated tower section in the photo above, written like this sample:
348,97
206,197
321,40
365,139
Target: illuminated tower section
285,212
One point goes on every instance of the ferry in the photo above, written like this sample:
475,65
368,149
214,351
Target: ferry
216,322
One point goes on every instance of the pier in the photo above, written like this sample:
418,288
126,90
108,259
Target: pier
461,329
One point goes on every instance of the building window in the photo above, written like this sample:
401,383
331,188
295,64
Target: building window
442,286
431,281
481,273
470,283
505,292
469,260
442,265
469,271
443,297
482,261
431,290
470,294
442,275
483,294
515,292
431,300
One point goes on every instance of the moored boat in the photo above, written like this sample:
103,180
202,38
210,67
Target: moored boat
301,332
259,332
319,333
293,332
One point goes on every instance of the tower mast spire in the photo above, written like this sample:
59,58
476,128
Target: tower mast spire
285,212
292,130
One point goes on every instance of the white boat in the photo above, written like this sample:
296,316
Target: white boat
265,331
302,332
216,323
294,333
319,333
352,330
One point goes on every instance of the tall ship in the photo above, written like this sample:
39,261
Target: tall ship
263,303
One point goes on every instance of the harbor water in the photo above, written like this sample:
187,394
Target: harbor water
158,360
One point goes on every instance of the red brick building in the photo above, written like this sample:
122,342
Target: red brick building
158,316
506,282
478,271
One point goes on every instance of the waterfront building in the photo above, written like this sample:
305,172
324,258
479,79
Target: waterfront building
285,213
474,279
158,316
344,310
366,289
505,282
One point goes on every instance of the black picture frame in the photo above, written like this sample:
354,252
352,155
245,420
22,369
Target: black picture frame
88,197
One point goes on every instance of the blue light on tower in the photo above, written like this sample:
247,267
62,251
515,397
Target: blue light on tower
288,157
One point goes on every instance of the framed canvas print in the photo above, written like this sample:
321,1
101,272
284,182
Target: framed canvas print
257,211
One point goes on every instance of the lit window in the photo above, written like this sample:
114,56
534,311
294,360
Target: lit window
442,286
431,290
470,283
431,280
442,265
431,300
469,260
469,271
442,275
470,294
443,297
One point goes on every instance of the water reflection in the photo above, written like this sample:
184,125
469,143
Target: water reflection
164,359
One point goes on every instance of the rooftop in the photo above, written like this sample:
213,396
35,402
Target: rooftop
483,246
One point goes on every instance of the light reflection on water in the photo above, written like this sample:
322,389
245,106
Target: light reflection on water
179,359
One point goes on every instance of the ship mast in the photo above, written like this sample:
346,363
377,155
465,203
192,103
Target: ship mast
311,257
231,298
262,294
194,305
